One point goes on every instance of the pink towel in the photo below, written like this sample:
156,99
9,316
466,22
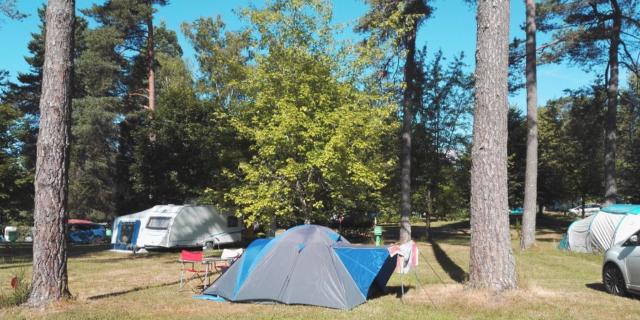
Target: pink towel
407,256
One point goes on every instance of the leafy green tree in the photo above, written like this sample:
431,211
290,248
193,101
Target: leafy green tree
591,34
24,97
133,48
630,142
317,141
16,183
584,143
553,180
131,21
571,153
440,138
395,24
24,94
93,150
188,159
222,58
516,153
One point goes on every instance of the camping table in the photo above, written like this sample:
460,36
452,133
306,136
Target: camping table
208,262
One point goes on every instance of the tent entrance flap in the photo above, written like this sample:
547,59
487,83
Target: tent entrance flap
127,234
364,264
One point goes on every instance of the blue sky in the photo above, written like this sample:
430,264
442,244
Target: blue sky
452,29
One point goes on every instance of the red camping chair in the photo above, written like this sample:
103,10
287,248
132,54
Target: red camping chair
190,257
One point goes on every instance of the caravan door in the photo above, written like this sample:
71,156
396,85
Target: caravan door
127,235
157,231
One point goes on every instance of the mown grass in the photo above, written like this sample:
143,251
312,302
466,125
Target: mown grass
554,285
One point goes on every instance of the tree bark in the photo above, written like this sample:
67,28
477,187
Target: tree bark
491,263
531,172
611,190
150,57
410,98
49,280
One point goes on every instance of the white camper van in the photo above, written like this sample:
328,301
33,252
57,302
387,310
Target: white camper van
174,226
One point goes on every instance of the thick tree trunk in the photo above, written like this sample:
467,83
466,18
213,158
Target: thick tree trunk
410,97
610,126
150,57
491,264
531,172
49,280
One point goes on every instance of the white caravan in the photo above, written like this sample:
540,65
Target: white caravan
174,226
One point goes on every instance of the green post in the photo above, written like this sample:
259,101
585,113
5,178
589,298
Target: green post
377,232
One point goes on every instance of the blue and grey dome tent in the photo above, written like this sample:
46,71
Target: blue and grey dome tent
307,264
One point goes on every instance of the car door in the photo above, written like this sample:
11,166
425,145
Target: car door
632,261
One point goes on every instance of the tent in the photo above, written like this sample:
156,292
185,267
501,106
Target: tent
599,232
175,226
307,264
84,231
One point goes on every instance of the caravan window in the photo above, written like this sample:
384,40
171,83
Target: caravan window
232,222
158,223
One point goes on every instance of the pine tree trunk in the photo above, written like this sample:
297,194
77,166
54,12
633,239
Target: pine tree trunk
531,172
611,190
49,280
150,57
410,96
491,263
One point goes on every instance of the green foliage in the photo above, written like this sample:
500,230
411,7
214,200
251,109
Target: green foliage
318,143
93,148
16,185
188,153
516,156
222,58
581,31
440,173
629,140
571,147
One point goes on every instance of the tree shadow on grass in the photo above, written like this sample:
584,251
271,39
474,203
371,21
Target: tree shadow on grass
452,269
390,290
119,293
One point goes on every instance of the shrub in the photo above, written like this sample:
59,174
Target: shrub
17,295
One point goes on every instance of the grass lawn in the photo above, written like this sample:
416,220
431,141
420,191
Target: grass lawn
554,285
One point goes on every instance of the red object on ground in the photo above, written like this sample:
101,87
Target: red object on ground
80,221
14,282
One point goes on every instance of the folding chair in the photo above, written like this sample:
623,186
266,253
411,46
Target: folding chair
227,258
192,258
